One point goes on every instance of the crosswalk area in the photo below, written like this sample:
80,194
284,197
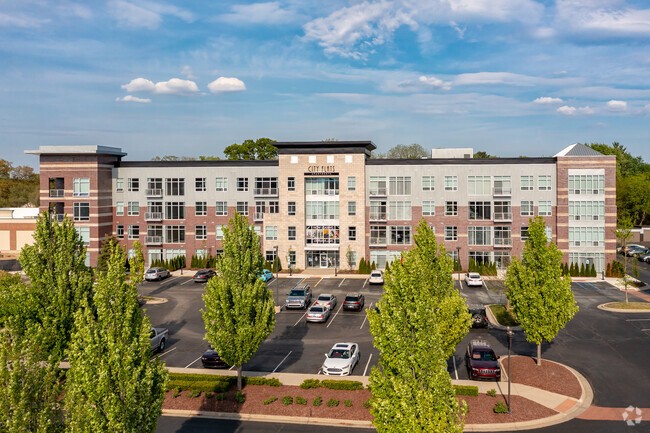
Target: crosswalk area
598,285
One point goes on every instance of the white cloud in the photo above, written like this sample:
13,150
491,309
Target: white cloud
226,84
570,111
187,71
21,20
434,82
145,14
547,100
615,105
507,78
602,19
175,86
259,13
131,98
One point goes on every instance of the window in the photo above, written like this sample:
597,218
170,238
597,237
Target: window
201,233
172,253
481,257
502,185
502,211
544,183
291,235
271,233
291,183
527,208
242,184
377,235
399,210
154,210
549,233
81,187
199,184
587,210
175,210
451,183
119,184
133,208
502,237
322,235
451,233
81,211
544,208
270,255
352,258
134,184
352,233
479,185
502,259
479,235
222,184
598,259
451,208
428,183
221,208
291,256
378,210
294,160
428,208
84,234
352,208
291,208
219,232
379,258
155,233
201,252
119,208
480,210
175,186
201,208
274,207
399,185
524,233
586,184
154,186
322,186
377,185
322,210
258,231
175,234
134,232
119,231
312,159
586,236
266,186
400,235
330,159
242,207
527,183
352,183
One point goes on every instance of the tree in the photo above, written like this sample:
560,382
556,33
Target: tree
402,151
252,149
623,234
239,310
540,296
105,251
421,320
482,154
113,384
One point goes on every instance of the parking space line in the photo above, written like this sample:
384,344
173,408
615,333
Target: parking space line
301,317
366,318
367,364
636,320
274,280
165,353
332,319
230,369
586,288
453,358
188,365
646,329
186,282
301,280
341,282
283,359
594,286
318,282
364,283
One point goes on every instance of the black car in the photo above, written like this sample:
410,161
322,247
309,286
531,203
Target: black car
353,302
204,275
479,316
212,359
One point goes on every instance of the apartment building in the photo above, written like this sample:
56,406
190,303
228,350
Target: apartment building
328,204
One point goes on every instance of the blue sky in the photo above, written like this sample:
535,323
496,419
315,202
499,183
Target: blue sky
511,77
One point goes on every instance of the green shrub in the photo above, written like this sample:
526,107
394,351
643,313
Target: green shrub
208,394
195,393
470,390
367,404
177,392
492,393
240,397
301,400
500,407
205,386
332,402
269,400
287,400
341,384
262,381
310,383
318,401
221,396
348,403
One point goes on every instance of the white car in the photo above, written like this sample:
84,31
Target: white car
326,300
376,277
473,279
341,359
153,274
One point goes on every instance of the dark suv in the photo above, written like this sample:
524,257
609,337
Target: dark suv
479,316
353,301
481,361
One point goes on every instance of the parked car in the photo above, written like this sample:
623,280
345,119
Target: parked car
481,361
644,257
153,274
479,316
158,338
318,313
266,275
299,297
636,251
622,250
326,300
473,279
341,359
353,302
203,275
376,277
212,359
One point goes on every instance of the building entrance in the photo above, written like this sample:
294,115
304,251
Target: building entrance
322,259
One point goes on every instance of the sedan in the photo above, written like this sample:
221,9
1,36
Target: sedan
353,302
326,300
318,313
636,251
341,359
644,257
203,275
266,275
153,274
212,359
473,279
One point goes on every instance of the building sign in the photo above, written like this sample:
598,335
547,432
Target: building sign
321,169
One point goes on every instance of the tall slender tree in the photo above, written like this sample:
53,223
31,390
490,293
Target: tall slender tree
239,309
623,234
540,296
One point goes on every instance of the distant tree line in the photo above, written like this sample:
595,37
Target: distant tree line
18,185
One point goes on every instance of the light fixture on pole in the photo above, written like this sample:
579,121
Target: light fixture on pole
510,333
276,273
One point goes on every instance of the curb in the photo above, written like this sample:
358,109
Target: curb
494,323
604,307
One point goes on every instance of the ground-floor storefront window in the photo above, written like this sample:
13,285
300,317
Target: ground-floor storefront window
322,259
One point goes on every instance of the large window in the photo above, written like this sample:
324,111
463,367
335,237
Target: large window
134,232
587,184
271,233
586,236
428,183
221,184
266,186
428,208
502,236
201,208
134,184
451,183
479,235
527,183
291,233
133,208
480,210
201,232
544,208
322,235
451,233
221,208
400,235
377,185
481,257
242,184
84,234
175,186
399,185
175,234
199,184
291,208
502,211
154,186
291,183
119,208
479,185
81,211
119,231
352,208
451,208
399,210
502,185
219,232
274,207
81,187
377,235
544,183
378,210
322,186
119,184
175,210
322,210
352,183
527,208
587,210
352,233
598,259
242,207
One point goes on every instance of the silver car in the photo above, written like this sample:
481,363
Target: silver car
318,313
326,300
156,274
299,297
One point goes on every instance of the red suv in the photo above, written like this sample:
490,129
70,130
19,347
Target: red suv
481,361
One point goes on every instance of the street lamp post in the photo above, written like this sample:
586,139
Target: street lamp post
458,257
277,273
509,332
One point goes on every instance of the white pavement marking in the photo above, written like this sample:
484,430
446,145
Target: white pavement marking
188,365
366,318
188,281
283,359
337,313
301,317
364,283
453,358
165,353
274,280
367,364
231,367
646,329
636,320
341,282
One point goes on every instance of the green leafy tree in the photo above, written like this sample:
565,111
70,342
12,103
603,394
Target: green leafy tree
252,149
403,151
105,249
422,319
113,384
482,154
623,235
239,310
540,296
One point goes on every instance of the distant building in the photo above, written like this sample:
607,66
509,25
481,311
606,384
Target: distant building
16,229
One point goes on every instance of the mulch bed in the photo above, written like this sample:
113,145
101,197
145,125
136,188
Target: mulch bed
549,376
481,409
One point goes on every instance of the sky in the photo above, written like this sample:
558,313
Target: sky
509,77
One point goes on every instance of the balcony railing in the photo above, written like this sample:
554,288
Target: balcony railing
502,216
58,217
153,240
378,216
503,242
56,193
265,191
502,191
378,241
153,216
154,192
378,192
258,216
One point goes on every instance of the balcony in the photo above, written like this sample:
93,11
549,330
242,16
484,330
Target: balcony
378,242
503,242
56,193
258,216
502,191
153,216
502,217
153,240
378,192
57,217
154,192
273,192
378,216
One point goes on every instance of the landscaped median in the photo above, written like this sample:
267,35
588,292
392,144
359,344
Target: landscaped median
629,307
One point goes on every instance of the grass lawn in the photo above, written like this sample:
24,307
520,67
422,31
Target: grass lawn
503,316
629,305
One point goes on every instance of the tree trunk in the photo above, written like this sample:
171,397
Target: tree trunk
239,371
539,354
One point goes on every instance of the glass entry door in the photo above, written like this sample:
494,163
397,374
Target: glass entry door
323,260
